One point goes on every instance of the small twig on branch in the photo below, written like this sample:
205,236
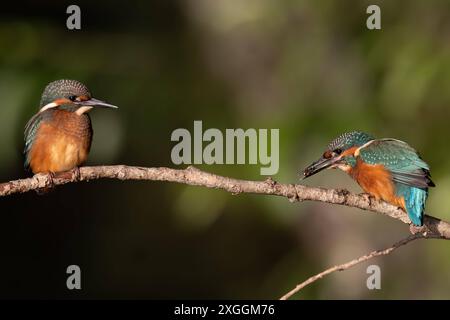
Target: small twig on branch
354,262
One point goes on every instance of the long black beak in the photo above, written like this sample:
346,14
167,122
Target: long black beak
96,103
319,165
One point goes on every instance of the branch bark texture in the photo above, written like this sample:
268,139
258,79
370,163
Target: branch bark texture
196,177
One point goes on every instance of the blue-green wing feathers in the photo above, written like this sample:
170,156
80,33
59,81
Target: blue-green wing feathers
29,136
410,173
400,159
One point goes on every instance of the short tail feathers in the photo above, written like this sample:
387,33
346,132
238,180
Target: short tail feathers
415,199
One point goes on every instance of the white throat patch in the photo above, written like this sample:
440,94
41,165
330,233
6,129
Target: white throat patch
83,109
48,106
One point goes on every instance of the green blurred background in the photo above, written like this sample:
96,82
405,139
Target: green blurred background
310,68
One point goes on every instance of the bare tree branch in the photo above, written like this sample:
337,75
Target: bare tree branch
356,261
435,228
196,177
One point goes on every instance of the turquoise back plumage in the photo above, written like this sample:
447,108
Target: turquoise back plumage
410,174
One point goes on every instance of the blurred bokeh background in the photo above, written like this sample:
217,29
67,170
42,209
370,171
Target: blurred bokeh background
310,68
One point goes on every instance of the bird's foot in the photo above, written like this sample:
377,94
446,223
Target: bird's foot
50,184
76,173
51,179
370,198
417,229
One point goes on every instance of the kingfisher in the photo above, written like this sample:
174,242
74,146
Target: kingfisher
58,138
387,169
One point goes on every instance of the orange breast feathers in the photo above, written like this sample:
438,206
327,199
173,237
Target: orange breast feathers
61,144
377,181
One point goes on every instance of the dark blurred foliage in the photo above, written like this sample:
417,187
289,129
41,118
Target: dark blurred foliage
309,68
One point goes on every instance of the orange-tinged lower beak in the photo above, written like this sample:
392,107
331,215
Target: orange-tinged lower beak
95,103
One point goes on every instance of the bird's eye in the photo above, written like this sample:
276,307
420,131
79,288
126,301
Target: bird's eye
338,151
327,154
73,98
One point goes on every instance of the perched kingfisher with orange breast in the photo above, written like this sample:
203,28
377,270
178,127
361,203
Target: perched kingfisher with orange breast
58,138
387,169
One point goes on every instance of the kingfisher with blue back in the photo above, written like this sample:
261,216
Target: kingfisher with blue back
58,138
387,169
